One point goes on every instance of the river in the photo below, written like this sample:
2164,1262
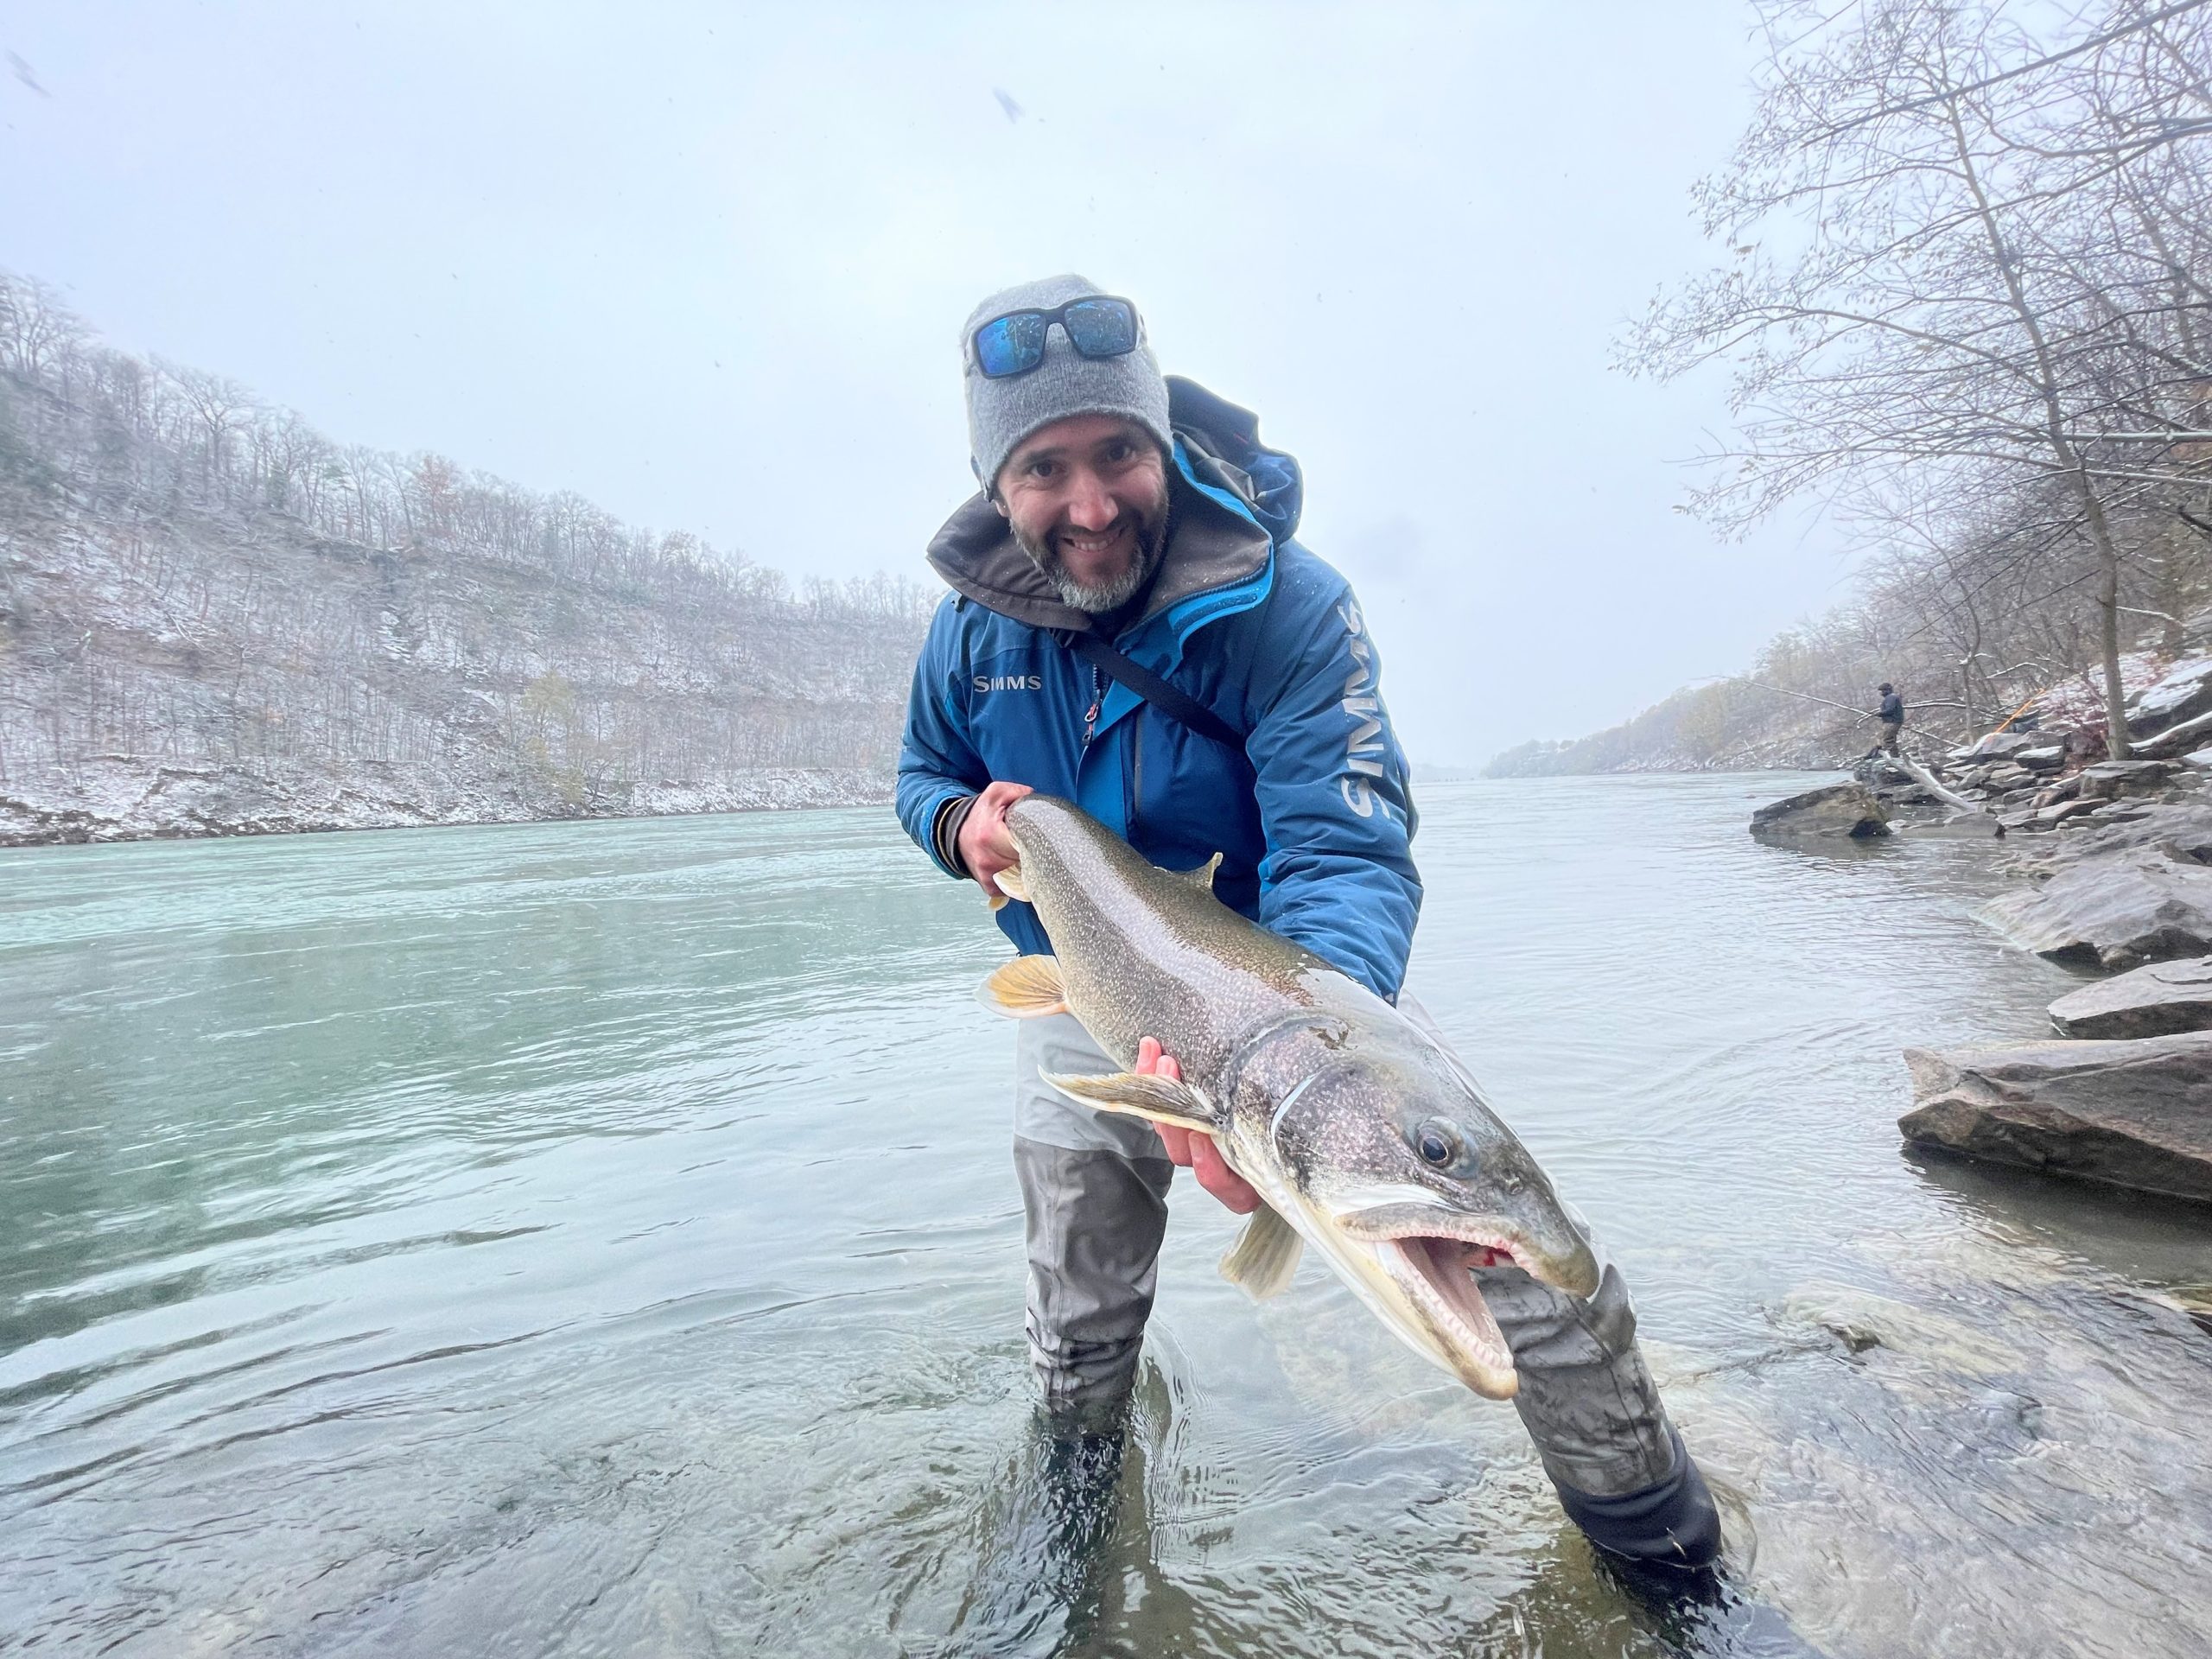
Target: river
601,1238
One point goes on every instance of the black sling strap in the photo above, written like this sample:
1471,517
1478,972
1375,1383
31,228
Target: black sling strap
1154,690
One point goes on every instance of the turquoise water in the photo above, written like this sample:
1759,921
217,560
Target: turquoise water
601,1238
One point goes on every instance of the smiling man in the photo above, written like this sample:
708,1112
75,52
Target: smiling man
1133,626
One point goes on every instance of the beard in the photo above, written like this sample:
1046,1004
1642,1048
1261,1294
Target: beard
1150,539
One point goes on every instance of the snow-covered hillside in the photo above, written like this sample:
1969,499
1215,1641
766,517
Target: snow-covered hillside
212,621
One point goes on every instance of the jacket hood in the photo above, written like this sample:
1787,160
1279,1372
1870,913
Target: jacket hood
1234,499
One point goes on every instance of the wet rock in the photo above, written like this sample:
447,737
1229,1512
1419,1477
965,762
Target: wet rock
2043,760
2065,790
2135,1114
2119,911
1837,812
2149,1001
1862,1320
1911,794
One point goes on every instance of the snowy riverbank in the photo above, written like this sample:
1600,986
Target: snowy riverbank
120,798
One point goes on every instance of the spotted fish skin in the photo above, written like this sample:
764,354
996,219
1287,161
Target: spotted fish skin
1319,1093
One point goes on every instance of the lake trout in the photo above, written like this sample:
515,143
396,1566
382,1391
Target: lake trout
1362,1135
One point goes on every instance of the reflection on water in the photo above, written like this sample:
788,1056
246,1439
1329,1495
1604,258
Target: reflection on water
601,1238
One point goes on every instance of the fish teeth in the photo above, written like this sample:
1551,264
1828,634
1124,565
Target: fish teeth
1485,1342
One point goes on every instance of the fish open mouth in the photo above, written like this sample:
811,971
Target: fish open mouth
1434,1273
1429,1258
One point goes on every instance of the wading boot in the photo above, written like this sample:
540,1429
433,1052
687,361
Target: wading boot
1036,1591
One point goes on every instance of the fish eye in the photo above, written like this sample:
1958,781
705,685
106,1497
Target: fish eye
1436,1143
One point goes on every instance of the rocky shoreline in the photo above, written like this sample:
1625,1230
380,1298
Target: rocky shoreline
122,797
2115,857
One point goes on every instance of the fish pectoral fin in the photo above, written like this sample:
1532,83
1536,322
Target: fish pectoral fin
1025,988
1163,1100
1200,877
1264,1259
1009,883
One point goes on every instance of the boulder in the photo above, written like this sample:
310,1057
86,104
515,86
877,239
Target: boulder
2000,746
2182,833
1837,812
2176,740
2051,817
2110,779
2134,1113
2150,1001
2182,693
2118,912
2043,760
2065,790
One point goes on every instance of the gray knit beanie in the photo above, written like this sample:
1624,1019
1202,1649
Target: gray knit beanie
1001,413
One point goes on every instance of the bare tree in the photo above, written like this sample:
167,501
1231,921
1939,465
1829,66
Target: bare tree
1964,265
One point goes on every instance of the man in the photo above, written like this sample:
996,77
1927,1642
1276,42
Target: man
1891,715
1234,708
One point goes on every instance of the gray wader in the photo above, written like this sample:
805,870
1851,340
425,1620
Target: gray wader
1094,1189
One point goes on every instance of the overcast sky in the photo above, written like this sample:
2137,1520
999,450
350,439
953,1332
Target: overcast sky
706,265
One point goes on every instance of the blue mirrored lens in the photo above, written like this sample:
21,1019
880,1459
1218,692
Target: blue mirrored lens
1101,327
1012,344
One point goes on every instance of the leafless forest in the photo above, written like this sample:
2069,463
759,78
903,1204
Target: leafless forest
214,619
1964,298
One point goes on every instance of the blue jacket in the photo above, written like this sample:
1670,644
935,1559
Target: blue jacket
1313,817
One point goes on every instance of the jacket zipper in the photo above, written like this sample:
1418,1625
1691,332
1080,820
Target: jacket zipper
1097,707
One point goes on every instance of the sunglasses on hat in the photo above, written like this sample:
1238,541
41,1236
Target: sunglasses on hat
1014,344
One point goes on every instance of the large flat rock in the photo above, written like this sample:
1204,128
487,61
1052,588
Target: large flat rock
2134,1113
2119,911
2183,833
2183,693
2149,1001
1836,812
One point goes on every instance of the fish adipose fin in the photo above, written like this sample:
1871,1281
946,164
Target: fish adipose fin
1264,1259
1163,1100
1202,877
1025,988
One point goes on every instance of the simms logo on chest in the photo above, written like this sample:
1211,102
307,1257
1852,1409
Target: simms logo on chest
1008,682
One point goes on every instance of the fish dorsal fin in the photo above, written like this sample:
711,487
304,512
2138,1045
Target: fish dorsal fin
1025,988
1009,883
1264,1259
1163,1100
1202,877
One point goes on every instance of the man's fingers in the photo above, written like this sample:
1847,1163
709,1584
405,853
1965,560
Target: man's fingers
1217,1177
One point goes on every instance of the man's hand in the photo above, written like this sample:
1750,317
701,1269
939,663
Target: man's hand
1193,1149
984,845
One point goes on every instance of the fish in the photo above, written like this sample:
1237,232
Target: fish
1364,1136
